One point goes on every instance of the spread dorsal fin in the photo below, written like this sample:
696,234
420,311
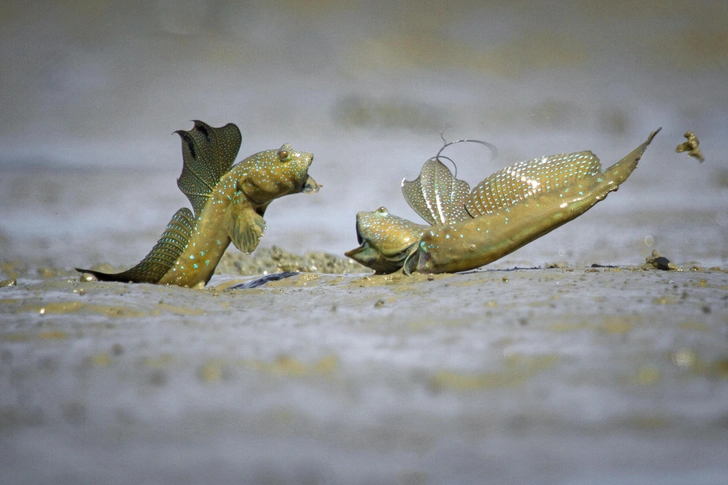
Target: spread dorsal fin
208,154
436,195
527,179
163,255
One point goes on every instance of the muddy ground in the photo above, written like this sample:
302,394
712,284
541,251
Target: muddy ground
567,374
540,368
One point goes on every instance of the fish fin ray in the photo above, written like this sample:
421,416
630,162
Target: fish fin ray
247,229
436,195
409,265
208,154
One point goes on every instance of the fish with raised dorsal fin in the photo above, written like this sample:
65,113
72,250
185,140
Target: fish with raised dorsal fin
228,202
506,211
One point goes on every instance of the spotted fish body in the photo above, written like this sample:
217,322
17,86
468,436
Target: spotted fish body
228,201
503,213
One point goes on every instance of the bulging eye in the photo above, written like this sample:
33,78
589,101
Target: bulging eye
284,155
382,211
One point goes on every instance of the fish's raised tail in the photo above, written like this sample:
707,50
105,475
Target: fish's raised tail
161,258
476,242
620,171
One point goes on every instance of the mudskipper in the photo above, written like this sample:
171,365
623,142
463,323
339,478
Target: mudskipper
228,201
507,210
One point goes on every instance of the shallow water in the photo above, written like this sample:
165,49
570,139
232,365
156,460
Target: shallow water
565,373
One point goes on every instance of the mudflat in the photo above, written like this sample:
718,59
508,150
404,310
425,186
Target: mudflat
562,373
538,368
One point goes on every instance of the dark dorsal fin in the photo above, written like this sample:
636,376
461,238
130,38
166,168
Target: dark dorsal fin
526,179
436,195
208,154
163,255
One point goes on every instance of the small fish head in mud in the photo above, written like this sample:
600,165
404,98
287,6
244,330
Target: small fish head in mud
274,173
385,240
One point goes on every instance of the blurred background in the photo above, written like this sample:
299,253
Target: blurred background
615,378
90,92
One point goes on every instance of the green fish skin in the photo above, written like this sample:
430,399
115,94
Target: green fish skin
506,211
228,201
385,240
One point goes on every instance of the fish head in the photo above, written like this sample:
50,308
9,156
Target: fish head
385,240
271,174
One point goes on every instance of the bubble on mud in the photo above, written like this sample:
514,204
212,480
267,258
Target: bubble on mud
86,277
684,358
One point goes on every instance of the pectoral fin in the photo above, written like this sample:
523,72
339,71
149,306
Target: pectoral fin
247,229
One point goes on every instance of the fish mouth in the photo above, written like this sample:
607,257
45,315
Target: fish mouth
357,228
310,186
370,257
357,253
353,252
365,254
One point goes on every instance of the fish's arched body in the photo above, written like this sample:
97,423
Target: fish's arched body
228,201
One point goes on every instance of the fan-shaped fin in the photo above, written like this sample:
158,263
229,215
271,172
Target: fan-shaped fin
436,195
526,179
163,255
208,154
247,228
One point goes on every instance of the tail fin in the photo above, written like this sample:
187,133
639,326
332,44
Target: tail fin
162,256
619,172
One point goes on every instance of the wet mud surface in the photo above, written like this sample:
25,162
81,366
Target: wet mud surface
587,364
563,373
335,372
575,359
